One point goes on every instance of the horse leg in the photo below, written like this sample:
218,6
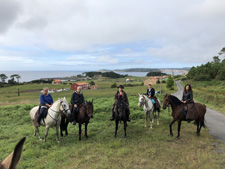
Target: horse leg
57,133
146,119
61,130
179,125
86,124
46,132
171,132
80,125
116,128
151,118
34,130
125,129
67,122
158,117
197,123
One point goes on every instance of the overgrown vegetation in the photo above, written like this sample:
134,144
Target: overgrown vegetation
209,71
157,73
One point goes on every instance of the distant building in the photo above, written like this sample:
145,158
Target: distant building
84,85
57,81
94,87
154,79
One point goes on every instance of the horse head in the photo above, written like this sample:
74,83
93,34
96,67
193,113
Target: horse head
166,101
64,107
121,109
89,108
142,100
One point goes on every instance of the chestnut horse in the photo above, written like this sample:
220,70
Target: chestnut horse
13,159
178,114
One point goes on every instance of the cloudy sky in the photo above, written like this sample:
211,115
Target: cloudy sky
109,34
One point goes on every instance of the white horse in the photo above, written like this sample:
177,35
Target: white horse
53,117
148,109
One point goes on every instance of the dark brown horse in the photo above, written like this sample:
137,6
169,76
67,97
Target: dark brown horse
13,159
84,115
120,115
178,114
64,123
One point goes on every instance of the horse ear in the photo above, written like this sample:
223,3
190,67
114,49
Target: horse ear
13,159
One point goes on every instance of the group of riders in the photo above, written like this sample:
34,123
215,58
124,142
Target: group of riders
77,101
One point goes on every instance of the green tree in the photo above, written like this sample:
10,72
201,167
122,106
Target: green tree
3,77
114,85
169,82
92,83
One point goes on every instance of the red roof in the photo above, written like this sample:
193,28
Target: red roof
58,80
82,83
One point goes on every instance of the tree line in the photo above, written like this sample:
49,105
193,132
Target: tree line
14,79
211,70
105,74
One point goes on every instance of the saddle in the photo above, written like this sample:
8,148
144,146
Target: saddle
191,111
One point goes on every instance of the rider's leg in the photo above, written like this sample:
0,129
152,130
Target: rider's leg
128,114
74,116
40,116
113,114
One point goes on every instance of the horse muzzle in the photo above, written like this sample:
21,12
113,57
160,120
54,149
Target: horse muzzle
139,104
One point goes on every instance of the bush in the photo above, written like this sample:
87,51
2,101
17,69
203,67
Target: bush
92,83
114,85
202,77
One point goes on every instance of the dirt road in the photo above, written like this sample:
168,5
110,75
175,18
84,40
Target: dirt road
214,120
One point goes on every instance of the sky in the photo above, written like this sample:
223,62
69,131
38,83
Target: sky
109,34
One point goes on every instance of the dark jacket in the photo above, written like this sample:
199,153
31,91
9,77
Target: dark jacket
124,97
78,99
187,96
152,92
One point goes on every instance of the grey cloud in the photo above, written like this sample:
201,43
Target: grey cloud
9,11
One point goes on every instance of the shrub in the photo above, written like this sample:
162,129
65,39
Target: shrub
114,85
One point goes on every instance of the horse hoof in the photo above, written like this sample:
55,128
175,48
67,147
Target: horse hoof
125,136
171,135
86,137
177,137
114,136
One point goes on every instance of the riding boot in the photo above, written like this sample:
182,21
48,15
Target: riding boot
113,116
74,117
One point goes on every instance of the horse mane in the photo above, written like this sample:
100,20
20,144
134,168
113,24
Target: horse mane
175,99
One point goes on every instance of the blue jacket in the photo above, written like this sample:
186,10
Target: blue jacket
46,99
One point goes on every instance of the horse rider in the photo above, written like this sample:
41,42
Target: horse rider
77,101
188,101
46,102
121,95
152,97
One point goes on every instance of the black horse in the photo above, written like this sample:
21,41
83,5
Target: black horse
120,115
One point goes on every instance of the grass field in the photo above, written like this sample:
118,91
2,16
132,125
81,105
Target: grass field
143,148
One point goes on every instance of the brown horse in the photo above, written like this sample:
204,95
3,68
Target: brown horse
84,115
178,115
13,159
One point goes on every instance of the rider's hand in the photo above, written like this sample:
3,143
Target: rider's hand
75,105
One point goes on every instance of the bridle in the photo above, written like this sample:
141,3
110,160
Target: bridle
87,111
144,101
64,112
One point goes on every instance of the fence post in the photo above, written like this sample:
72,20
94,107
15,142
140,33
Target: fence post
18,92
